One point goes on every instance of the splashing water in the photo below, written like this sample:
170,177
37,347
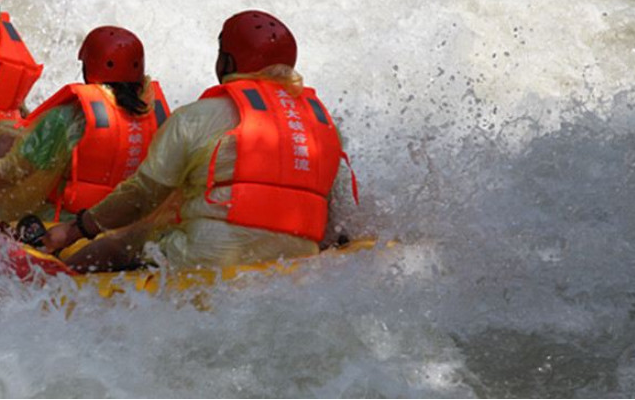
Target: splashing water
492,138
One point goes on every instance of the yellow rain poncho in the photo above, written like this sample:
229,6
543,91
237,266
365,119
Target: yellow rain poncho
178,162
37,160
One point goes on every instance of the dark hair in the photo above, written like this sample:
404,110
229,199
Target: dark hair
127,95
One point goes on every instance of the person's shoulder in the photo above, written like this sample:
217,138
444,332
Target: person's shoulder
63,113
207,107
221,102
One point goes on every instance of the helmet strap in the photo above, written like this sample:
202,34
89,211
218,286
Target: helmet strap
228,65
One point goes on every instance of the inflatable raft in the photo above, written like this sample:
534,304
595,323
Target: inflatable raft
29,265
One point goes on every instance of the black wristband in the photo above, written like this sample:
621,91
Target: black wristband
79,223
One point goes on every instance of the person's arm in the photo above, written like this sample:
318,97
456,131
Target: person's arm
133,200
163,170
14,168
45,146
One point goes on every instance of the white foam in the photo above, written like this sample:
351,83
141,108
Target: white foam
493,138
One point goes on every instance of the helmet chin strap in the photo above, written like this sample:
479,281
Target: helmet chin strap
229,67
84,73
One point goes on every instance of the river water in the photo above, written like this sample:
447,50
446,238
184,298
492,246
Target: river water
492,139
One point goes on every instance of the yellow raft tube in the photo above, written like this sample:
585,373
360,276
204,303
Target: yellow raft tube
152,280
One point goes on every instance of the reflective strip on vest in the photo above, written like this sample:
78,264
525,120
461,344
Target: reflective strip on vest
159,113
255,99
13,34
319,112
100,113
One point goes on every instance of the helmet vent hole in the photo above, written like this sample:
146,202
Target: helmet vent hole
256,15
112,33
110,64
274,37
272,24
258,26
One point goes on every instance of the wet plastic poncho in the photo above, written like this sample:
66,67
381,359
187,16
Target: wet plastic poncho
178,161
38,158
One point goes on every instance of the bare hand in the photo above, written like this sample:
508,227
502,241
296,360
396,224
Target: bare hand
61,236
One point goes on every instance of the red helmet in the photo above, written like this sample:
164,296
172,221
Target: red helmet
256,40
112,54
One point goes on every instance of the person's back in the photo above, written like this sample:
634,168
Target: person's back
86,138
255,160
207,235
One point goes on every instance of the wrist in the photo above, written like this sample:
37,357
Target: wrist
85,226
74,234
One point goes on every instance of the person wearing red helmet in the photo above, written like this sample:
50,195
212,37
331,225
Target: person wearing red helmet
18,73
85,139
254,160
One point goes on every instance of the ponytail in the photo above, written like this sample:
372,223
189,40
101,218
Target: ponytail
128,97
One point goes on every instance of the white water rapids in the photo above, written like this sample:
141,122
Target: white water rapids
493,138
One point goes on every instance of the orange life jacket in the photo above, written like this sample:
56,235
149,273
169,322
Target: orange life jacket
11,115
288,155
18,70
113,145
